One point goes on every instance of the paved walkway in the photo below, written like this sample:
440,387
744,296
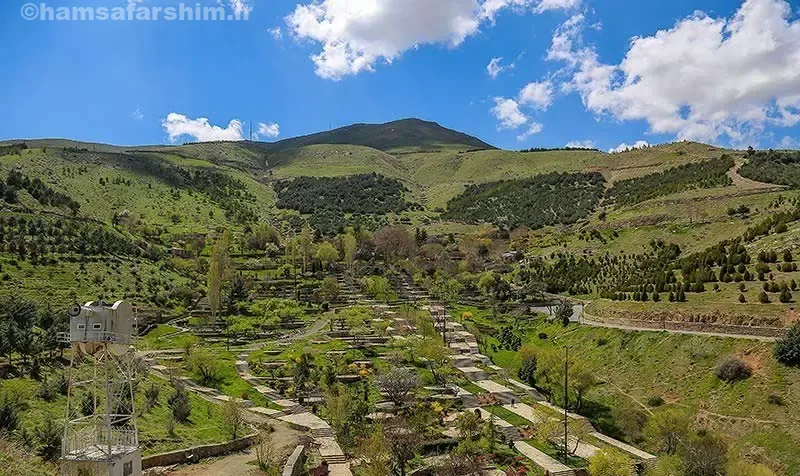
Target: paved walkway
525,411
542,460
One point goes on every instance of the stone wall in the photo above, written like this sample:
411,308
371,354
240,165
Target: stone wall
297,460
195,454
760,331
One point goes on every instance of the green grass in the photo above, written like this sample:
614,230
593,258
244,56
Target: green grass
205,426
508,416
572,461
681,370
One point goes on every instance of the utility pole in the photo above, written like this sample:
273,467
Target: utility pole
566,399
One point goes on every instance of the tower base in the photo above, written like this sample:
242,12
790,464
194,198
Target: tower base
124,461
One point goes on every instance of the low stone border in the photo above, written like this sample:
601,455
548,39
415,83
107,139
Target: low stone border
733,329
195,454
294,465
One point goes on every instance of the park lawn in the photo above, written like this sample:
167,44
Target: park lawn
508,416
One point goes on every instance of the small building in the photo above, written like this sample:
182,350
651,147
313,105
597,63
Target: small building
96,322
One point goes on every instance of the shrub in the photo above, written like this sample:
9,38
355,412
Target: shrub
733,370
655,401
151,395
775,400
9,414
786,296
542,335
180,405
787,350
763,298
48,439
742,299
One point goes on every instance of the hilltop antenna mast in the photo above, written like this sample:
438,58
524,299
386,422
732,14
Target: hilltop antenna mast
101,437
251,130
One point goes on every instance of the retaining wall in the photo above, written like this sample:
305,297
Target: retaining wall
195,454
759,331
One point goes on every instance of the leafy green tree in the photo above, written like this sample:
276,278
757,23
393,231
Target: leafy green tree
350,248
787,349
326,253
611,463
218,272
329,289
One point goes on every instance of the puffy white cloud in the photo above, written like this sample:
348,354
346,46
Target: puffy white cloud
507,112
356,34
701,79
640,144
276,32
240,8
494,68
534,128
537,95
178,125
268,130
581,144
137,115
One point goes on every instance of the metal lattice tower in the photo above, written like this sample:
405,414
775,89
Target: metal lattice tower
100,434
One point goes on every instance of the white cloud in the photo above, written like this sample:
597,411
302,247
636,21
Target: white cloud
581,144
640,144
276,32
507,112
546,5
137,115
494,68
790,143
354,35
490,8
240,8
703,79
534,128
200,129
270,130
537,95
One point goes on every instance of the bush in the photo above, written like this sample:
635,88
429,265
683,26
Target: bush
763,298
786,296
742,299
48,439
9,414
733,370
180,405
655,401
787,350
775,400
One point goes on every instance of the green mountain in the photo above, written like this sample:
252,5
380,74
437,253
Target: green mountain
405,133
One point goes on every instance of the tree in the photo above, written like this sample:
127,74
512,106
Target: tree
218,272
375,454
494,288
394,242
305,243
402,442
179,404
785,296
268,458
233,416
349,248
205,365
326,253
669,429
437,356
468,425
611,463
787,349
17,317
527,372
705,454
564,312
48,439
301,372
398,384
329,290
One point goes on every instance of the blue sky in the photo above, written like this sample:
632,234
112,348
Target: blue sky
710,76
